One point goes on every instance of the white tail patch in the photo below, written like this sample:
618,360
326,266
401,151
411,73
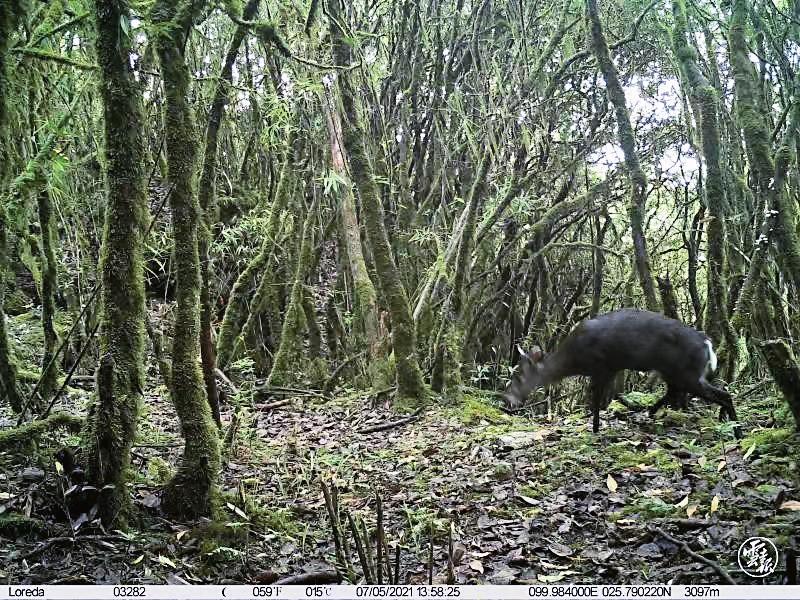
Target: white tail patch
712,358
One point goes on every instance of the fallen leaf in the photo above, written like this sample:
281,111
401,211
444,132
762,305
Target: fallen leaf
165,561
138,559
749,451
790,505
683,503
690,510
611,483
237,510
721,465
702,461
550,578
560,549
476,565
715,504
528,500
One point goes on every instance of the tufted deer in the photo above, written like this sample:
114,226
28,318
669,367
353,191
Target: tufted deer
632,339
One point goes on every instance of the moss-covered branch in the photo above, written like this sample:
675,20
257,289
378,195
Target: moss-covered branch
35,429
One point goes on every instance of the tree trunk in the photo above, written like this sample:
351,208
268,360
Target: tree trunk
786,373
365,295
717,325
49,285
410,385
636,205
769,174
111,424
208,204
192,491
10,13
288,366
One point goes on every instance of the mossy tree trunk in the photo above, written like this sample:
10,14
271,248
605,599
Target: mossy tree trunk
785,371
366,297
10,13
111,424
636,205
208,205
700,89
410,385
288,366
780,218
193,490
237,318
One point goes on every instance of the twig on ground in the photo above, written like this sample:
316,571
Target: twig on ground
392,424
698,557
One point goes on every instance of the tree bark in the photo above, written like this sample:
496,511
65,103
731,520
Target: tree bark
785,371
111,424
717,325
192,492
49,285
769,173
411,387
10,13
365,295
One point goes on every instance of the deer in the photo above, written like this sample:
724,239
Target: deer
626,339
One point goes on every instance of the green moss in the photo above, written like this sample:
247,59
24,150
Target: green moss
474,411
290,361
159,471
769,441
279,520
649,508
216,535
33,429
193,492
16,526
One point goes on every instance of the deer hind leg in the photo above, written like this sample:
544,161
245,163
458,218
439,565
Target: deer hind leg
599,390
720,397
673,396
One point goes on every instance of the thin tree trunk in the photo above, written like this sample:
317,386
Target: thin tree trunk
192,491
704,94
111,424
288,367
208,204
636,205
49,285
411,387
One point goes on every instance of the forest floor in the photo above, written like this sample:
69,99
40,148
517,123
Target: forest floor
529,498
